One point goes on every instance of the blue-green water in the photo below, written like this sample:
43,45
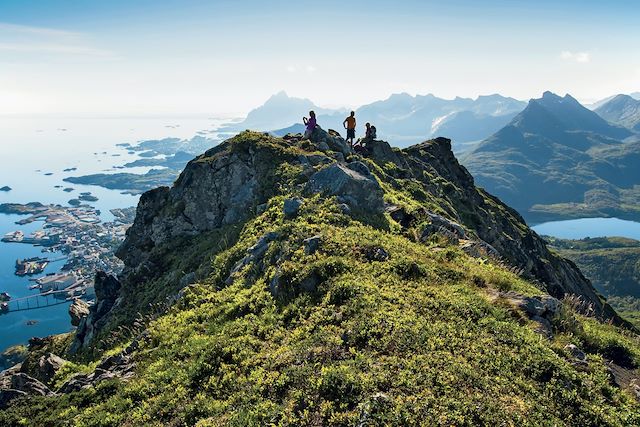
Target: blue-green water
33,147
590,227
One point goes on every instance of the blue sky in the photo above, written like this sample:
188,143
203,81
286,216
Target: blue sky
217,57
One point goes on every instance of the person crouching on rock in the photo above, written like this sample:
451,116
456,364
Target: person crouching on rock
370,133
311,124
350,125
361,146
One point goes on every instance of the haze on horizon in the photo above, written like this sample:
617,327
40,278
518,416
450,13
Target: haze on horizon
181,57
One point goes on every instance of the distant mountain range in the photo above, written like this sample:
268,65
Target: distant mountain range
557,159
596,105
402,119
623,110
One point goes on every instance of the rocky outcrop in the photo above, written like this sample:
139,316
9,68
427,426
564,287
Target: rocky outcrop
107,289
485,217
15,385
352,184
120,366
78,310
48,365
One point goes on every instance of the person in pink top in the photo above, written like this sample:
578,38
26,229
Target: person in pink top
311,124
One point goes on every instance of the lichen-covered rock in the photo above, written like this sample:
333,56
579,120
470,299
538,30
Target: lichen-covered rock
353,185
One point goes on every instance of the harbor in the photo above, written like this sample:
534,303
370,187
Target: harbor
75,235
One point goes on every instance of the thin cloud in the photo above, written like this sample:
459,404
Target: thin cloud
29,39
55,48
26,29
581,57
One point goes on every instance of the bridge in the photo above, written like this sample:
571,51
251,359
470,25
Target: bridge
35,301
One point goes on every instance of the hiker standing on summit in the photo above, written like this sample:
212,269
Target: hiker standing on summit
311,124
350,125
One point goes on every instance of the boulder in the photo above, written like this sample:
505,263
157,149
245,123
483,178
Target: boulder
330,141
479,249
578,356
48,365
312,244
291,207
440,224
353,185
78,310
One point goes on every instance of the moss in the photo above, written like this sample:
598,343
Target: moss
400,341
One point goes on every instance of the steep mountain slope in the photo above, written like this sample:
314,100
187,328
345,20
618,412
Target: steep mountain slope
304,285
557,159
622,110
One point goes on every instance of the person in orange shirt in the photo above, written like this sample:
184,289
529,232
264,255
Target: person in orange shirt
350,125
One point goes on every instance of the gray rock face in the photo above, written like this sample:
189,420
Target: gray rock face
541,309
14,385
48,365
330,141
223,186
353,184
107,292
442,224
78,310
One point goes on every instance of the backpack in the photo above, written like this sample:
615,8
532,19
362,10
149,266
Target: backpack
373,132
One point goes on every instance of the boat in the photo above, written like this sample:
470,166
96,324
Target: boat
4,296
4,307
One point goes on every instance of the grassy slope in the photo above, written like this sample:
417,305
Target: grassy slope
416,339
410,339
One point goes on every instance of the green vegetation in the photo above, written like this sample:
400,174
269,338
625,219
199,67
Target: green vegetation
400,341
372,327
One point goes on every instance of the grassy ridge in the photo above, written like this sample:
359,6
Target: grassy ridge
409,340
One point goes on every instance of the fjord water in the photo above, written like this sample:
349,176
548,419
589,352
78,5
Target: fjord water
30,148
589,227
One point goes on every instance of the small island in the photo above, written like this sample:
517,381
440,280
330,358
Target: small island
87,197
5,188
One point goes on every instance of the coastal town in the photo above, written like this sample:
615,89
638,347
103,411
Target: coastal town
74,234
